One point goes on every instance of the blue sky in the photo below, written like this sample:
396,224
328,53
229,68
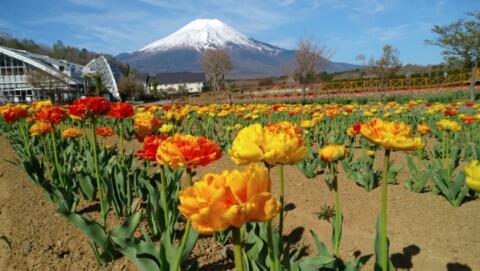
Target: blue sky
348,27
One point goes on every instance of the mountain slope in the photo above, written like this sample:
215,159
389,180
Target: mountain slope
182,50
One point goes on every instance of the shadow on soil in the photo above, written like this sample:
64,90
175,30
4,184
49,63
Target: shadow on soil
404,261
458,267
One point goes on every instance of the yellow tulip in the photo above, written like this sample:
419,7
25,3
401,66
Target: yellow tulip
391,135
333,153
166,129
473,176
246,146
449,126
307,124
218,201
281,148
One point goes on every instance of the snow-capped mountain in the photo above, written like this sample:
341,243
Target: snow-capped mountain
182,50
203,34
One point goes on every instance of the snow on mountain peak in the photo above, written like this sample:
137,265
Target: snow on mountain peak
203,34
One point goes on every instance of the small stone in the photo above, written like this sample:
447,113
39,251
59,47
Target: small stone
63,253
227,252
47,247
299,184
27,248
59,243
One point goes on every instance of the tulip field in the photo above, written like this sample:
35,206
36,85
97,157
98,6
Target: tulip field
335,184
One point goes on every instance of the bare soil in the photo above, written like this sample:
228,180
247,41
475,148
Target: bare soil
426,232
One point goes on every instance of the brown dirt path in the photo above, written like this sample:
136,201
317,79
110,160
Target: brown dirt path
425,231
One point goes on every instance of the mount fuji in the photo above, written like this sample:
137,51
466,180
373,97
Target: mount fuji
182,50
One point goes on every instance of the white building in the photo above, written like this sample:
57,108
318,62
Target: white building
176,82
26,77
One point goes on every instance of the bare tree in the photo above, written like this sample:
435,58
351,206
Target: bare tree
216,64
129,86
46,84
311,58
383,68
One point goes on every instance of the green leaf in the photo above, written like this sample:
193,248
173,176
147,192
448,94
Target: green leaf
333,240
321,248
128,227
311,263
144,255
355,265
412,166
7,242
379,253
91,229
86,185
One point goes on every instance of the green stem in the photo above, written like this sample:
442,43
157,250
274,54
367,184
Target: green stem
237,248
363,154
271,251
46,158
443,148
97,173
308,144
280,178
337,209
448,153
164,195
187,228
25,140
383,234
419,152
55,155
122,155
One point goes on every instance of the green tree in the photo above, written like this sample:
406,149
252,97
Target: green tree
311,57
59,50
99,86
383,68
154,87
461,43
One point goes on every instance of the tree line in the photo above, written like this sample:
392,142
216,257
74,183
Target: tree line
58,51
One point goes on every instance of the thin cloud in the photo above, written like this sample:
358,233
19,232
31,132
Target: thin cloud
89,3
439,6
287,43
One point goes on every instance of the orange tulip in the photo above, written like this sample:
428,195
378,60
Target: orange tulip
333,153
121,110
230,199
40,129
423,129
88,107
150,147
105,131
468,119
71,133
187,151
14,113
51,114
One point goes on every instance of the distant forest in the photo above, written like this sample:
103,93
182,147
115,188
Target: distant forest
58,51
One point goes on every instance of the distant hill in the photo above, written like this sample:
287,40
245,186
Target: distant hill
182,50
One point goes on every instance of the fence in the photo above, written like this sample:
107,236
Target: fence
332,87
